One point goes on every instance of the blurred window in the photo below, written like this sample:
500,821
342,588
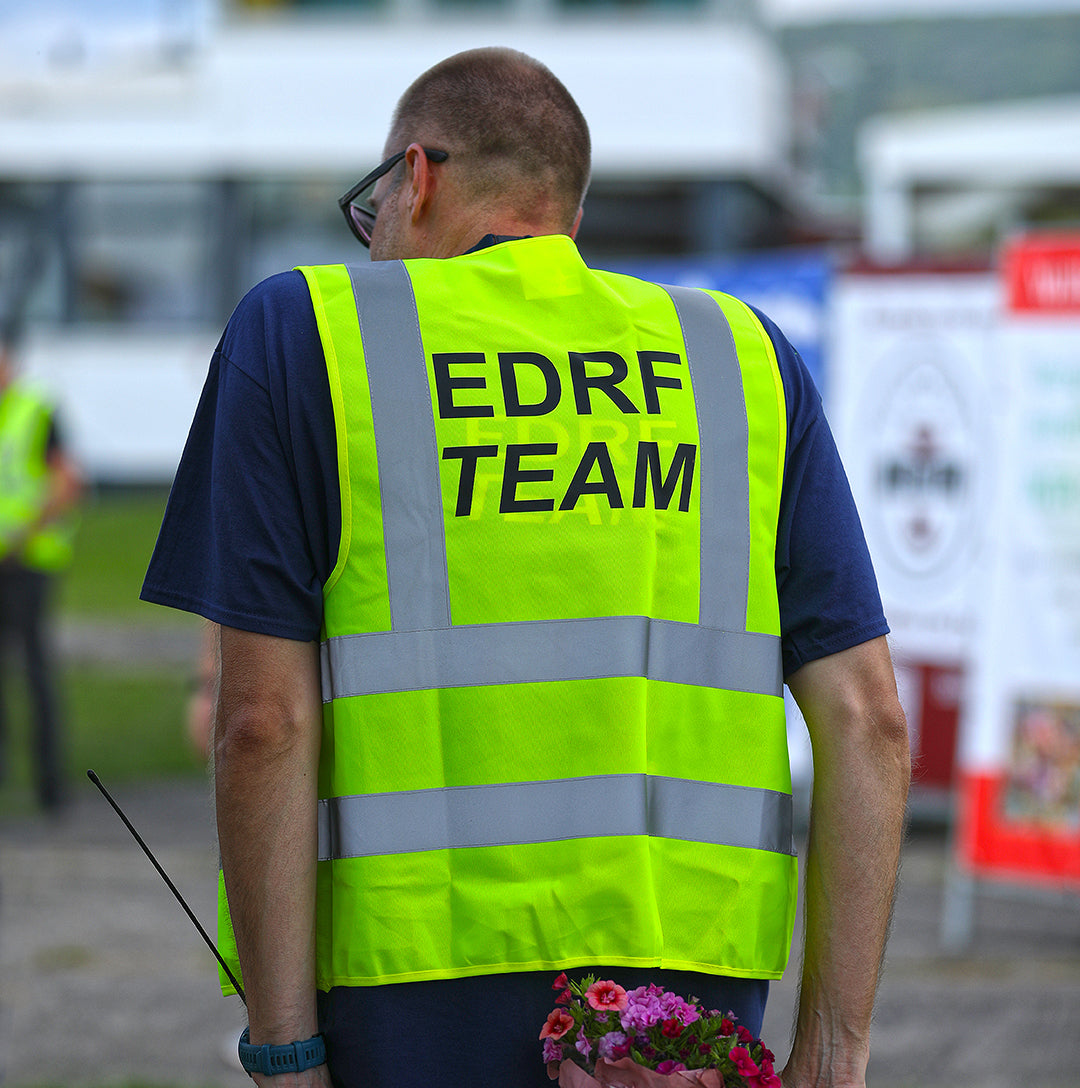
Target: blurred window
292,222
139,251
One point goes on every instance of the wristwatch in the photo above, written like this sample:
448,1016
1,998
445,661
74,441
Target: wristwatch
286,1058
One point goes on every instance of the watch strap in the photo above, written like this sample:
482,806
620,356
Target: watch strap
270,1059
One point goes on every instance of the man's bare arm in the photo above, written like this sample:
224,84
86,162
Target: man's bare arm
266,754
861,772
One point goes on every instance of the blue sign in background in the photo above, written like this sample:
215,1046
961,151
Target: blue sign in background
790,287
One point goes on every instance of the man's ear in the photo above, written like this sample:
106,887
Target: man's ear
577,222
419,182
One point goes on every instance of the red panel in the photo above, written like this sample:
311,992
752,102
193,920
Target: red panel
994,844
1042,274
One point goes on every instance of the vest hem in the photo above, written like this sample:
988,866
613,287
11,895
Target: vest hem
326,983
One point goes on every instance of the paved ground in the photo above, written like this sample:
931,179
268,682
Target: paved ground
104,980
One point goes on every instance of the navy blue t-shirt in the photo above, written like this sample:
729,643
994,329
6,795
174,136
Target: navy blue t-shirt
250,535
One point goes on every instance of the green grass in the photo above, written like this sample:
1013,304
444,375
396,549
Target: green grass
127,721
128,727
115,541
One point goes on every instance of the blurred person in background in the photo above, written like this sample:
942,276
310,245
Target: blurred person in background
40,487
510,556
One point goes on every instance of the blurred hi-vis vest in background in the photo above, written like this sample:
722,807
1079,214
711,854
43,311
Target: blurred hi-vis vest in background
25,418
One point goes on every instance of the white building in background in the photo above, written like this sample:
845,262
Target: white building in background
157,159
159,156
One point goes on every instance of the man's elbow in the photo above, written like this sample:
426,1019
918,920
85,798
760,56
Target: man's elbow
255,734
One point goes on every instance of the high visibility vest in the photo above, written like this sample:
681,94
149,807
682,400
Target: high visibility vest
554,726
25,418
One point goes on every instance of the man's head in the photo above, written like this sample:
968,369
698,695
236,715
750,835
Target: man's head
519,156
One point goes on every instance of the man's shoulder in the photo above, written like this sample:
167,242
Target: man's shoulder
288,288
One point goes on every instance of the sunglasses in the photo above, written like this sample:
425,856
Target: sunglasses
356,204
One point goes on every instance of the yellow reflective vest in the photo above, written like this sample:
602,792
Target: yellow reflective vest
554,726
25,419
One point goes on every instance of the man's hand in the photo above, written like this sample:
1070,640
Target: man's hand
319,1077
862,768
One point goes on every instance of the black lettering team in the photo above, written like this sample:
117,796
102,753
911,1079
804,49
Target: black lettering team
528,468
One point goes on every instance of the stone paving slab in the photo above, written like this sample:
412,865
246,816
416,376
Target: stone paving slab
103,978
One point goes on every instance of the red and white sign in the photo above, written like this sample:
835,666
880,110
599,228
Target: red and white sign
1019,758
910,395
1042,275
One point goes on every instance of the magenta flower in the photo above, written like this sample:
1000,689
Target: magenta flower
767,1077
744,1064
606,996
668,1067
583,1047
557,1024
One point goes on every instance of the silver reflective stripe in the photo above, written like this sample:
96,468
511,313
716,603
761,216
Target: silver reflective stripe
515,813
723,477
405,441
548,650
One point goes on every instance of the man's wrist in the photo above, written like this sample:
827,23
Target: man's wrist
273,1059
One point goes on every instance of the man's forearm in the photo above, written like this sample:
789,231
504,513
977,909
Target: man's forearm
861,771
266,760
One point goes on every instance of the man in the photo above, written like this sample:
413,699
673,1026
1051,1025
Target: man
39,488
553,528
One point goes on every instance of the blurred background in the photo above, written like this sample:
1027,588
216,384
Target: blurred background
895,182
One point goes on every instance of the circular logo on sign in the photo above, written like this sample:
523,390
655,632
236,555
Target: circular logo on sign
925,470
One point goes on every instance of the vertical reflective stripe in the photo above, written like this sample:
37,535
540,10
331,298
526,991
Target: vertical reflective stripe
724,486
407,451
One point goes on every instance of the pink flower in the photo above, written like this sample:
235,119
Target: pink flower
561,982
613,1046
675,1008
668,1067
552,1051
606,995
744,1064
558,1023
643,1009
583,1047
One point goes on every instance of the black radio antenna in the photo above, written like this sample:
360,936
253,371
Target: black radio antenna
172,887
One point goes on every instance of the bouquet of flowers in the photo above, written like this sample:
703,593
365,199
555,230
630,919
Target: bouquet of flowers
600,1034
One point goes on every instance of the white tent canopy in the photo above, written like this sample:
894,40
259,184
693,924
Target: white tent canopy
1005,147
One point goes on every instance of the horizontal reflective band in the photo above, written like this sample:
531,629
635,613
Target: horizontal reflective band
550,650
516,813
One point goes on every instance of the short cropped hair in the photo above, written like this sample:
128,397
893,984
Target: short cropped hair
509,119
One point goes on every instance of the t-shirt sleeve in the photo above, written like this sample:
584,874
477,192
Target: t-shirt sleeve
829,599
242,542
